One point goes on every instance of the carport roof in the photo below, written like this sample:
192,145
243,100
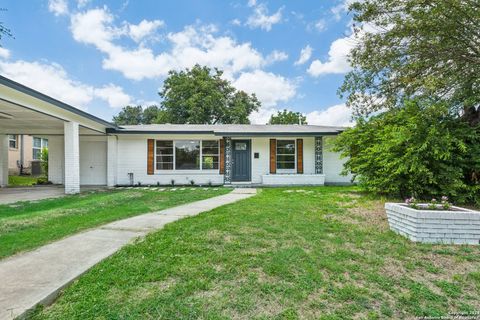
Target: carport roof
33,93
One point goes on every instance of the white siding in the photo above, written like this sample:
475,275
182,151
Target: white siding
333,165
3,160
55,159
132,158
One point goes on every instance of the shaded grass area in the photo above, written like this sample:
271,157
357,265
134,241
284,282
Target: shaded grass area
30,224
21,181
295,253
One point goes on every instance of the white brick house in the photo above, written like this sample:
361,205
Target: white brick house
86,150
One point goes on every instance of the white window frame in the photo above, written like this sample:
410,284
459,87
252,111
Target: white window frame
42,145
286,171
174,170
15,138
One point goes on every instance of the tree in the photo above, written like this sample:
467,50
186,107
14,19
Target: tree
419,149
201,96
130,115
287,117
4,31
415,48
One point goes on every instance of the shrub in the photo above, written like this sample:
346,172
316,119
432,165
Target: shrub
44,161
420,150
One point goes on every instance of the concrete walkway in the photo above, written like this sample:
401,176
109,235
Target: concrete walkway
37,277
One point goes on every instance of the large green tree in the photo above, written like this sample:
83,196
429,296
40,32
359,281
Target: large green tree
420,149
134,115
287,117
201,96
415,48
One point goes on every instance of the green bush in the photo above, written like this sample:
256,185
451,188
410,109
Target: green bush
44,159
420,150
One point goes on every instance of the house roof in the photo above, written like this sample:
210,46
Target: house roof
229,129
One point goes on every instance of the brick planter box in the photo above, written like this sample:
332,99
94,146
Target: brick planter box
458,226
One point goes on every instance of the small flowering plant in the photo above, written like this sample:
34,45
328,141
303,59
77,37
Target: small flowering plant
412,202
434,204
445,204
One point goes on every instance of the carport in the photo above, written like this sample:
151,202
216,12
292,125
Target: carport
78,144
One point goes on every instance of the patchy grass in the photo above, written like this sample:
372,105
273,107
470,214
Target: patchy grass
297,253
30,224
21,181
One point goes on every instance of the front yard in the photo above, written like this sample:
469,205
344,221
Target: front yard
30,224
287,253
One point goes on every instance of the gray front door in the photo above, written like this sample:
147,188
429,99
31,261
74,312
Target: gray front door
241,160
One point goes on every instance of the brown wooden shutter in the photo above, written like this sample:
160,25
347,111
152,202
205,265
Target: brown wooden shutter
273,156
150,156
222,156
299,155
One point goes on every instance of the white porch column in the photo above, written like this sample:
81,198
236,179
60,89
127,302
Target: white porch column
3,160
72,158
111,161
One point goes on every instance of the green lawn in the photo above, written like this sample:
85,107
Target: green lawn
309,253
27,225
17,181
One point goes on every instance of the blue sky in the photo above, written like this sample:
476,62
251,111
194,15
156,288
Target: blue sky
101,55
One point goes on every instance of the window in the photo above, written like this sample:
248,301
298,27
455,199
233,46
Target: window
164,155
286,155
38,145
186,155
240,146
13,141
210,154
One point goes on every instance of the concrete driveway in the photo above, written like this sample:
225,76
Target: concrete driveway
10,195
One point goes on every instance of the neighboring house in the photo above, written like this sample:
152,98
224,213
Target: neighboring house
86,150
22,150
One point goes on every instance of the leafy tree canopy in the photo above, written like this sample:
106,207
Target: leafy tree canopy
420,149
201,96
133,115
415,48
287,117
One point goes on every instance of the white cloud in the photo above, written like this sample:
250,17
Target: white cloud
305,55
337,58
268,87
54,81
260,18
276,56
58,7
262,116
236,22
4,53
94,27
82,3
252,3
145,28
194,44
337,115
320,25
114,95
